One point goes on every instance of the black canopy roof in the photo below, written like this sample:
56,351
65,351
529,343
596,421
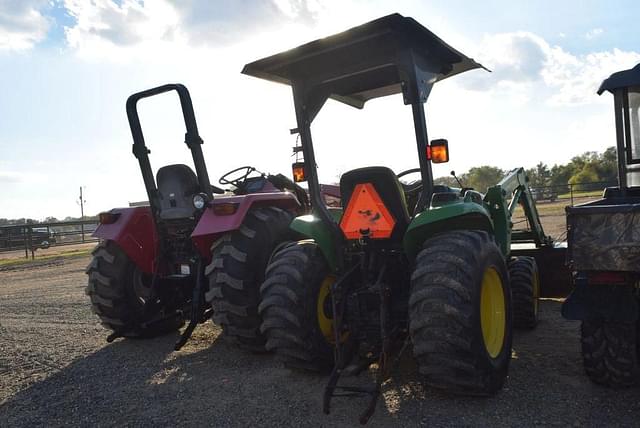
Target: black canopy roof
621,79
365,62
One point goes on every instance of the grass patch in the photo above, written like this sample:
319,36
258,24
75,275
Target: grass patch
590,194
37,260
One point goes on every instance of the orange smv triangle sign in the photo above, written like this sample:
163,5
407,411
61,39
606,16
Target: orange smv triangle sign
366,215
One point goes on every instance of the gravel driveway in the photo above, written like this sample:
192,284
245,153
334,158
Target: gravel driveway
56,369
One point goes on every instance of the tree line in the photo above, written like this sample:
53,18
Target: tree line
23,220
589,167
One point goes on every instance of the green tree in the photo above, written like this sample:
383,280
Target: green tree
608,165
539,176
482,177
588,174
447,180
560,175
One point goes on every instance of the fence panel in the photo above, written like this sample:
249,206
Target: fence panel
552,200
33,236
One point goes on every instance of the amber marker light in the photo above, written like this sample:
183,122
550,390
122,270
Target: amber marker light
225,208
438,151
298,172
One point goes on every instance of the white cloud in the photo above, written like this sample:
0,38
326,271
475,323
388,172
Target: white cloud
103,25
22,25
10,177
106,28
575,79
592,34
524,63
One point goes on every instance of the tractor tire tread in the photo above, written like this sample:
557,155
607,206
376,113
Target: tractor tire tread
239,260
521,273
441,307
610,352
109,277
289,317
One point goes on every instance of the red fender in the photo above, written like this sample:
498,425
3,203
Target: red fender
211,226
135,234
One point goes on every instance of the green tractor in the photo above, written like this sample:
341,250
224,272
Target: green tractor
399,263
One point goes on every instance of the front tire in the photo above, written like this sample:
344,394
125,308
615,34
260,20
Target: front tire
117,289
293,307
239,260
460,313
525,290
610,352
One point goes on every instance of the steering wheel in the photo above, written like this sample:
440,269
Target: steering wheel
413,187
239,181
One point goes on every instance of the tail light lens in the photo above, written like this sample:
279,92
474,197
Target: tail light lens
225,208
108,218
607,278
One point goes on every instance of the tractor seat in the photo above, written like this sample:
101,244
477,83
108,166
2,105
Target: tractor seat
176,186
388,187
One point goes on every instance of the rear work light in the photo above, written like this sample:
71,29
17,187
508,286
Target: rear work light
225,208
366,215
108,218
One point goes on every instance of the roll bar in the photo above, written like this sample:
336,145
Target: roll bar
192,140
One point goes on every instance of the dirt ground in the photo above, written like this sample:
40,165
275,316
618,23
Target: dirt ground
56,369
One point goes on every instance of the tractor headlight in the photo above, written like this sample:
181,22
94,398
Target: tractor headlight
200,201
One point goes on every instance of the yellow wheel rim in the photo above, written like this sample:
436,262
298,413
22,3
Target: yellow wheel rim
324,321
492,312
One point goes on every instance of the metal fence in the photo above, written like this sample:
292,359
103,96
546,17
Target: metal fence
552,200
571,194
33,236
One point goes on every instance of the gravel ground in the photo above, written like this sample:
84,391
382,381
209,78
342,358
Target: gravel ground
56,369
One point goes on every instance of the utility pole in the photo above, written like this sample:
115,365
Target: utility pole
82,202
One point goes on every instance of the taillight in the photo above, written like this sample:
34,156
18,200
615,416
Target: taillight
607,278
225,208
108,218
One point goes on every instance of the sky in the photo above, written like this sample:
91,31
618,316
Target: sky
67,67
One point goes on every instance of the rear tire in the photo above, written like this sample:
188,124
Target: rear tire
239,260
460,313
289,307
525,291
114,289
610,352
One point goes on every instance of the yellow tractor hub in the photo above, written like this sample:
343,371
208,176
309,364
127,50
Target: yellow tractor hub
324,321
492,312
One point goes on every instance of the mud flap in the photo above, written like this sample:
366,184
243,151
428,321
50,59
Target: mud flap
610,302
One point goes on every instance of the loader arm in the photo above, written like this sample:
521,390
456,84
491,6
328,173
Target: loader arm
514,184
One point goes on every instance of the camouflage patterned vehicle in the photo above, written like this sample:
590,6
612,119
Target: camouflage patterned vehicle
604,253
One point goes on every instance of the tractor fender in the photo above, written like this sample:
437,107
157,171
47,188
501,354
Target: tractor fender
211,225
610,302
312,227
134,232
462,215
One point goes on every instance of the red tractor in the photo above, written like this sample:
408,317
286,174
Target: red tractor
188,255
